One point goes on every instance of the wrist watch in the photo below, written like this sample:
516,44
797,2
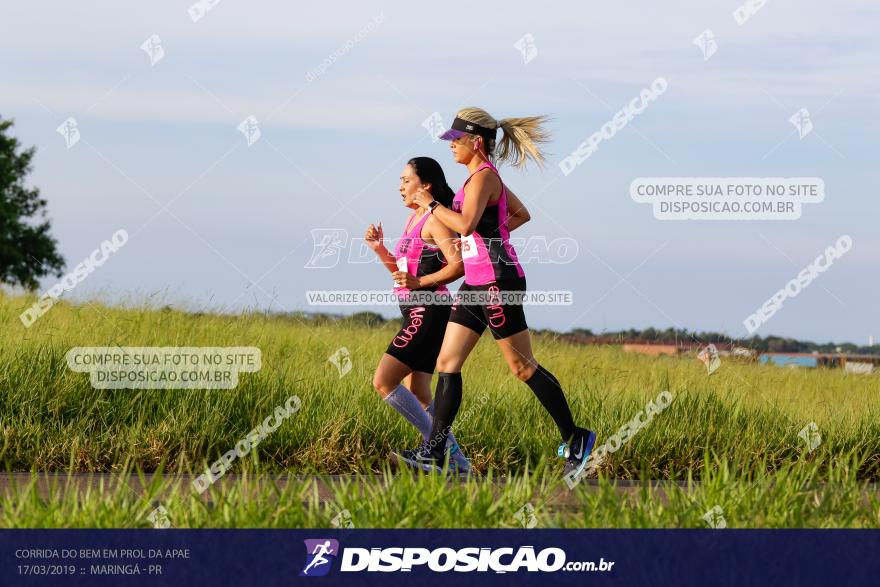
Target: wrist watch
432,206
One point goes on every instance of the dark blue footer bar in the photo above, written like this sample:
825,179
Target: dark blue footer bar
831,558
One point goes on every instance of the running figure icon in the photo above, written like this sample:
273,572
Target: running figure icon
317,561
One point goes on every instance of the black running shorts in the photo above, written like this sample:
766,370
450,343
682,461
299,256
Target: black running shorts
503,317
418,341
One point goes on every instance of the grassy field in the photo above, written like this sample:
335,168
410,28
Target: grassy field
735,431
794,496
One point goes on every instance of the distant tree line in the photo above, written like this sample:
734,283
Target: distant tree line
770,343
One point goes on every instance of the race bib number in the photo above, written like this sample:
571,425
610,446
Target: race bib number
468,247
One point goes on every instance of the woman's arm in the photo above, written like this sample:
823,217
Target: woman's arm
444,238
517,213
447,241
374,239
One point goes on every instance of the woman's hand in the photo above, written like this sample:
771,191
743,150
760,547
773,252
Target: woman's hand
374,237
407,280
423,198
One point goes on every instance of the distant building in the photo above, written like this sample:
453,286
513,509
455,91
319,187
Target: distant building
653,350
791,359
860,367
862,364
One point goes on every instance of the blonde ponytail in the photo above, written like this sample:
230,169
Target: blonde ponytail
521,138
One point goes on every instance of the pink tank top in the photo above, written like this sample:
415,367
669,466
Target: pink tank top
487,253
421,258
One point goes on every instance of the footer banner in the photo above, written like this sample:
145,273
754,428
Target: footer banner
487,557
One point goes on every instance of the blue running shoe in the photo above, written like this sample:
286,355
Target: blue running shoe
577,452
458,463
420,459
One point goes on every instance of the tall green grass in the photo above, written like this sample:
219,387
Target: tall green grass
748,414
792,497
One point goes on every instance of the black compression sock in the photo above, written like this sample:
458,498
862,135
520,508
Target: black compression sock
549,393
447,400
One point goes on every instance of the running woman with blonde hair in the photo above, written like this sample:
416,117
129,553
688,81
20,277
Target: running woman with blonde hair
480,212
424,260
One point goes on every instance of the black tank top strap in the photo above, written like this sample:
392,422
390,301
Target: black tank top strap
498,175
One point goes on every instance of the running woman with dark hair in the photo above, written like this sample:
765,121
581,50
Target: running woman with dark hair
480,212
425,259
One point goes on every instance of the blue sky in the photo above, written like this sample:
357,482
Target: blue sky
237,233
